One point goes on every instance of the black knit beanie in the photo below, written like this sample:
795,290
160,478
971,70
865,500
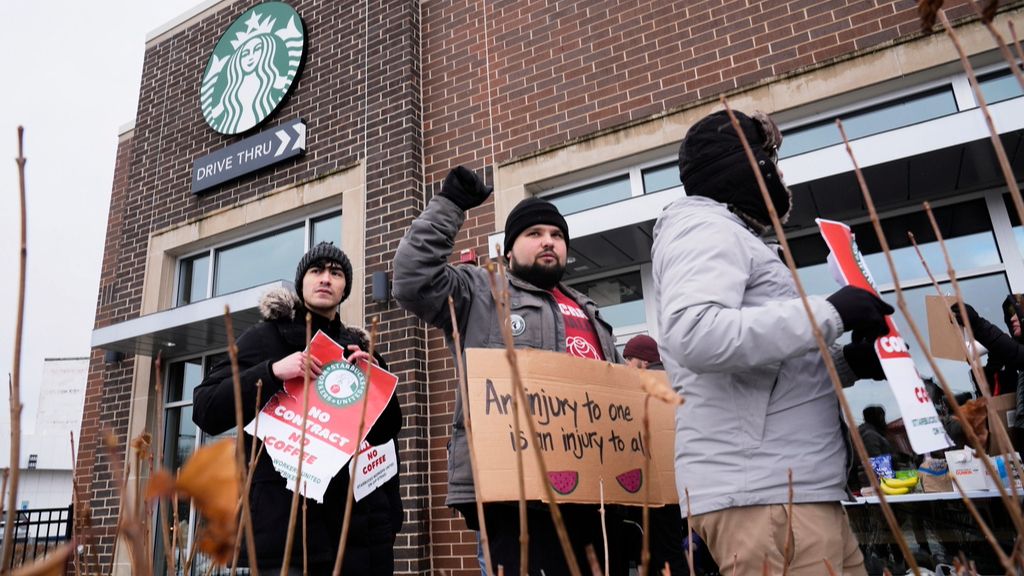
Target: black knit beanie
530,212
321,254
712,163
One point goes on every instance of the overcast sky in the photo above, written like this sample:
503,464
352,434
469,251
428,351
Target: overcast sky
71,78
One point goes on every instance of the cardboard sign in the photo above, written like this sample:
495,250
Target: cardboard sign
924,429
335,403
945,337
589,422
374,466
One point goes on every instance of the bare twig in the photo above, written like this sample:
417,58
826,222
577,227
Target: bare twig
293,510
985,531
689,539
788,548
250,538
498,295
604,526
997,143
468,425
15,395
253,455
359,441
828,566
517,385
823,348
645,549
595,566
1000,42
1016,41
305,548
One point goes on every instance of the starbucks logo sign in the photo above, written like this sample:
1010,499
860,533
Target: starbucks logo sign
252,67
341,384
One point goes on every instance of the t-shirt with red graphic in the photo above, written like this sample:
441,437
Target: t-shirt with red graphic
580,337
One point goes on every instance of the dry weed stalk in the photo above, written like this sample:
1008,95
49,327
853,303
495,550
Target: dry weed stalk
997,143
294,508
1016,41
359,441
467,423
250,472
595,566
826,356
7,552
789,525
645,548
504,314
250,538
604,526
1000,42
985,531
689,538
900,299
828,566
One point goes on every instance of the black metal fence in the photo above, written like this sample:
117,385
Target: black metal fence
37,532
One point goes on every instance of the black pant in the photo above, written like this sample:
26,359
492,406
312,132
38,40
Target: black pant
582,522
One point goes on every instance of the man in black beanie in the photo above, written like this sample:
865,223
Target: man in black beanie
545,314
270,353
736,342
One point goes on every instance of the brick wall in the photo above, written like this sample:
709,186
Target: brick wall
561,71
152,192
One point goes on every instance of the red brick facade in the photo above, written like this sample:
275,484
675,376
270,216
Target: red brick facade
559,72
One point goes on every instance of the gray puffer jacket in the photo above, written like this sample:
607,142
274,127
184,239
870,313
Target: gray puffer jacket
423,282
736,342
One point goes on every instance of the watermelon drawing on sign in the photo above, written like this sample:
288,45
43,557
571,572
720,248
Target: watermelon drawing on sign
631,481
564,482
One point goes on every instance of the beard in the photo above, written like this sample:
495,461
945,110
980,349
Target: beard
544,276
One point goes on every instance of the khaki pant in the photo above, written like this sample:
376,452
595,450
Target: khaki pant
752,535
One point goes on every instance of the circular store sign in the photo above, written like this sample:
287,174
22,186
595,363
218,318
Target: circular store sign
252,68
341,384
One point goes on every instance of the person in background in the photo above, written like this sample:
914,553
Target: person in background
642,352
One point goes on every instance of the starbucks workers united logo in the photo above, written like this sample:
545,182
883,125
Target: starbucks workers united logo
252,67
341,384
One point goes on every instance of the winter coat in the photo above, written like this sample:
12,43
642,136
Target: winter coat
736,342
376,519
423,282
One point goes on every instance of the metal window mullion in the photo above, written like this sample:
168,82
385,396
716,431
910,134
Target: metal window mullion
962,93
1006,242
636,182
211,272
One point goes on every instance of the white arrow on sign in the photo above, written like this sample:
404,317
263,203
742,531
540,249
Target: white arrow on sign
300,142
283,136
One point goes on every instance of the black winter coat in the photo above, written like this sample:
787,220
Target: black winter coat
376,519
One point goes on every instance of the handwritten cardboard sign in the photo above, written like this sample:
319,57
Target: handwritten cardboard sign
945,338
589,423
924,429
336,400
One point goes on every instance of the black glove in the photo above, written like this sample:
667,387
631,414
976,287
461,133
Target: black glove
860,355
972,315
463,187
861,311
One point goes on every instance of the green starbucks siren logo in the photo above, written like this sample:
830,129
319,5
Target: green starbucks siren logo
252,67
341,384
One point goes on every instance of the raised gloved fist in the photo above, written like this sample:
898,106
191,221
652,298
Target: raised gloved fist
861,311
861,356
972,315
465,188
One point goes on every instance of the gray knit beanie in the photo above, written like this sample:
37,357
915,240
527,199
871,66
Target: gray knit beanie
321,254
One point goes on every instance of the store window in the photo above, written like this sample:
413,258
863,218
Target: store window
620,298
592,195
181,438
254,261
868,121
662,177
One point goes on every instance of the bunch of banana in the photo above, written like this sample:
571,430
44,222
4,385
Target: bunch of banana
897,486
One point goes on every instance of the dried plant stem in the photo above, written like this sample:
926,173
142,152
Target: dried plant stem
1001,43
985,531
1016,41
305,548
293,510
828,566
595,566
498,295
788,549
604,526
75,510
131,531
359,441
253,455
689,539
517,386
997,143
467,423
902,304
826,356
15,393
645,549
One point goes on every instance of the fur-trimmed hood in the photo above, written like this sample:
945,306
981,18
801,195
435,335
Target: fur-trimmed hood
282,303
